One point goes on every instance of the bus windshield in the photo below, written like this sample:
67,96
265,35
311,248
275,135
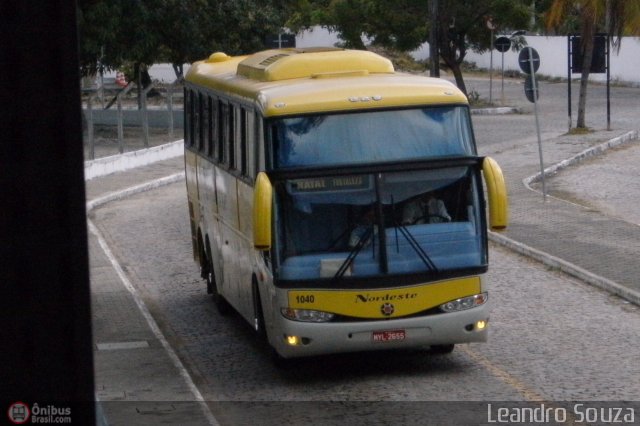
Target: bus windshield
362,225
372,136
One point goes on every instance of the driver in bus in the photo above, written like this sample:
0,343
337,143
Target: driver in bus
366,228
425,209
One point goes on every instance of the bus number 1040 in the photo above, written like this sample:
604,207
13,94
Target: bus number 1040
305,298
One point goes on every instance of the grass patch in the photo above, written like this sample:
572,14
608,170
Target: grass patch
579,131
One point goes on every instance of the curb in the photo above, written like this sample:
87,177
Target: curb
124,162
155,329
496,111
102,420
566,267
130,160
628,137
127,192
555,262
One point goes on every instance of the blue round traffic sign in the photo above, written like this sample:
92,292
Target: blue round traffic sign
528,57
502,44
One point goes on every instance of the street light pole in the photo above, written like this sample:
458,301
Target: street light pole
491,26
434,50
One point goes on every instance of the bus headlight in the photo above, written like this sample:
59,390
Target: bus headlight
306,315
465,303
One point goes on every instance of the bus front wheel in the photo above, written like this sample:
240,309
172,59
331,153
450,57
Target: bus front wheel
260,328
258,314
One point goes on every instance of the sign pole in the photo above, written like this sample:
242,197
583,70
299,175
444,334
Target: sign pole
502,89
529,61
492,27
608,53
502,44
491,71
569,72
535,107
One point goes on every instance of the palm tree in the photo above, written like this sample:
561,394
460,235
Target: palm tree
615,17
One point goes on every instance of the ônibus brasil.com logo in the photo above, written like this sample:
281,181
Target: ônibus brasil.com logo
19,413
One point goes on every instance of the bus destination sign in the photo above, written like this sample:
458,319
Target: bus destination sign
332,183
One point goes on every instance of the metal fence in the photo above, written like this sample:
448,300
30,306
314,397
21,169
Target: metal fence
138,120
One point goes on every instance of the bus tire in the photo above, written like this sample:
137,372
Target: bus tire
278,360
221,303
258,314
442,349
202,260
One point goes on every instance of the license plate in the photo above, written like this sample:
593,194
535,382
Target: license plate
388,335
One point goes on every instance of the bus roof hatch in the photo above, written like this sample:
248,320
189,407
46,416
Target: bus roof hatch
285,64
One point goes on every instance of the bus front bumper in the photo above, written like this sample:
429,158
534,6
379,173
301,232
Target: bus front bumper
299,339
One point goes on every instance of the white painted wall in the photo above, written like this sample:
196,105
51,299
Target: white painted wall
625,65
130,160
316,37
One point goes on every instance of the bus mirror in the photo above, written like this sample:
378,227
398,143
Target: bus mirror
497,191
262,204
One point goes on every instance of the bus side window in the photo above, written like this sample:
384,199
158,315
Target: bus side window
195,123
214,124
261,162
242,145
230,137
204,123
222,112
251,145
187,117
209,127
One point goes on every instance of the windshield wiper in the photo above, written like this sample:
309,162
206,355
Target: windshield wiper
416,246
412,241
353,253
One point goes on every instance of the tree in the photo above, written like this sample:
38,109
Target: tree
98,21
405,24
462,25
114,33
615,17
185,31
345,17
400,25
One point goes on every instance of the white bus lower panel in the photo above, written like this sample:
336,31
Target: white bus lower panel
298,339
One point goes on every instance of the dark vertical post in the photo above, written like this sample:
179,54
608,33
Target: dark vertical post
46,355
569,56
607,25
534,86
608,53
434,50
502,80
491,69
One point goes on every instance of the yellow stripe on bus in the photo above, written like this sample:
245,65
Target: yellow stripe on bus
385,303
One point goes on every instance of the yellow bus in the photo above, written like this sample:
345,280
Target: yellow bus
338,205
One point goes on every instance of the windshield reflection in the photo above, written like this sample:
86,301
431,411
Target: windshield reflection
374,136
370,224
